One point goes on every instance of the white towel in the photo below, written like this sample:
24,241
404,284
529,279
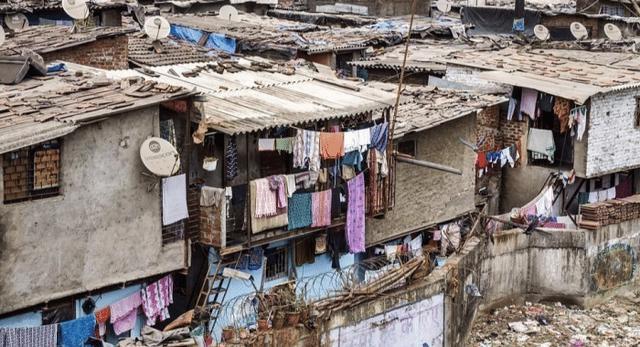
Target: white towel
611,193
351,139
541,141
291,184
266,145
174,199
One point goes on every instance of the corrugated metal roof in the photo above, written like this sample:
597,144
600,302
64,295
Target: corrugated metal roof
393,64
141,51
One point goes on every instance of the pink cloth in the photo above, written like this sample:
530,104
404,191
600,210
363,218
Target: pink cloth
156,299
265,199
321,208
530,211
355,214
123,313
281,191
528,102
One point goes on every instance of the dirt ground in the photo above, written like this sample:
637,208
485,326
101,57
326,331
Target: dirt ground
616,323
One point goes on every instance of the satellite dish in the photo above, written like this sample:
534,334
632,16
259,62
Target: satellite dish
229,13
157,28
1,35
612,32
160,157
16,21
579,31
443,6
541,32
76,9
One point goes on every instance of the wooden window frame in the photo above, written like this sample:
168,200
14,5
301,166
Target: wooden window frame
277,264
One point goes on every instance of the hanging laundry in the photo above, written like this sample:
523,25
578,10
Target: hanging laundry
355,227
231,159
174,199
381,159
541,144
530,210
336,245
546,102
331,145
353,158
40,336
284,144
481,162
528,102
611,193
437,235
336,205
291,184
266,199
602,195
348,172
579,114
583,198
507,155
380,136
266,145
364,139
210,196
512,108
298,150
300,211
350,141
156,298
624,188
561,109
312,149
304,251
593,197
278,185
102,317
76,332
123,313
415,246
321,208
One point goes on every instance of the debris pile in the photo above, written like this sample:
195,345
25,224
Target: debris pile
616,323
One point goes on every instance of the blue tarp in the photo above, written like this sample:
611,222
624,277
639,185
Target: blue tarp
186,34
221,42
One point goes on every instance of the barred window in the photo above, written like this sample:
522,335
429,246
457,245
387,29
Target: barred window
612,10
277,263
32,172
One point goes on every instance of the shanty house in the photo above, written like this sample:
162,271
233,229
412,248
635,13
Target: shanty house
41,12
80,215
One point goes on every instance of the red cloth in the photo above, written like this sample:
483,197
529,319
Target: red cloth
481,160
624,188
102,317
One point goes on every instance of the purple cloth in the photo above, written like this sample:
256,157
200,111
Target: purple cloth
355,214
528,102
124,312
44,336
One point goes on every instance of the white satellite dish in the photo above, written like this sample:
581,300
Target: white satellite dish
16,21
157,28
443,6
541,32
160,157
579,31
76,9
1,35
229,13
612,32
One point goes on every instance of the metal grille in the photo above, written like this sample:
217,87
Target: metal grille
32,173
277,264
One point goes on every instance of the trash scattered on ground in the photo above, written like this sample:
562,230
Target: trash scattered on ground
615,323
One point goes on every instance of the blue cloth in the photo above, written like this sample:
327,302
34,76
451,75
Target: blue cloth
379,136
186,34
518,24
221,42
353,158
56,67
76,332
300,211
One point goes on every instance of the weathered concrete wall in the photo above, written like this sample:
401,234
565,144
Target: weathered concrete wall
104,229
614,139
426,196
380,7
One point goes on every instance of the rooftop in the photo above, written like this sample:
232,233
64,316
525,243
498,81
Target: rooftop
51,38
30,5
40,109
172,52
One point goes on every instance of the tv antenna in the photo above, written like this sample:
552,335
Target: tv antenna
77,10
541,32
579,31
443,6
157,28
16,22
612,32
229,13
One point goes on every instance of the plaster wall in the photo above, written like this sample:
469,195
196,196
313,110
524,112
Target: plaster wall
104,229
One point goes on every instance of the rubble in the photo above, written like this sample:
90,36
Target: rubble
615,323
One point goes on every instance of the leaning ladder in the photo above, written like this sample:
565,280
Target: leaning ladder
214,290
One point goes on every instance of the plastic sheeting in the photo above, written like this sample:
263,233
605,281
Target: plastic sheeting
494,20
186,34
221,42
216,41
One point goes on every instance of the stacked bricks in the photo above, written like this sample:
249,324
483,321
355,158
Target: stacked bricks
46,171
109,53
15,173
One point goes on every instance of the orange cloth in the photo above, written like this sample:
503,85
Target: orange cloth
331,145
102,317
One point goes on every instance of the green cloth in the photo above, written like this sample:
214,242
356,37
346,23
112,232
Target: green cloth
285,144
300,211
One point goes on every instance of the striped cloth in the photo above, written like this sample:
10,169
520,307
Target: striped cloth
42,336
321,208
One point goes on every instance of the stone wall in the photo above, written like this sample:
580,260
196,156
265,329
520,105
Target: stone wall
426,196
105,53
104,229
380,7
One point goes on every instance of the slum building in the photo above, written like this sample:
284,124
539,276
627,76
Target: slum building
24,13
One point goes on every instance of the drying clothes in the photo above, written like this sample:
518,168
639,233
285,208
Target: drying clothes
437,235
300,211
528,102
291,184
579,114
102,317
355,227
298,149
624,188
350,141
266,145
583,198
305,251
266,199
336,244
381,160
481,161
278,185
123,313
541,142
602,195
331,145
174,199
231,159
323,176
353,158
380,136
311,140
364,139
546,103
306,180
156,299
611,193
76,332
284,144
530,210
348,172
561,109
210,196
321,208
512,108
336,205
506,153
40,336
593,197
239,195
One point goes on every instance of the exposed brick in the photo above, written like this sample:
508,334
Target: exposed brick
106,53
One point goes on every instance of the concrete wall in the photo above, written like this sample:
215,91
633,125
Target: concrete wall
380,7
104,229
613,142
426,196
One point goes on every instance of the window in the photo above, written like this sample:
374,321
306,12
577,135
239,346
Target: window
407,147
277,263
612,10
32,172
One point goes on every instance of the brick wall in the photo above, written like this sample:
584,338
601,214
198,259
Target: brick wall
106,53
612,139
380,7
